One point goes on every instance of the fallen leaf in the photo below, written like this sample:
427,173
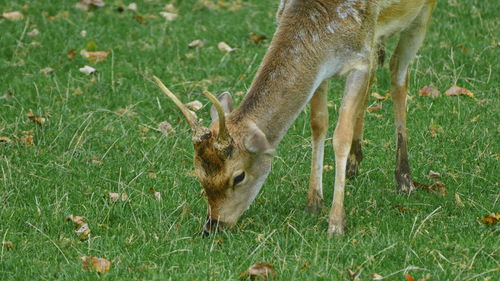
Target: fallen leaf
83,232
33,33
13,16
224,47
169,16
434,176
438,186
71,54
194,105
435,129
7,96
374,108
456,91
429,91
463,48
156,194
39,120
132,6
327,168
7,245
96,161
27,139
353,275
165,128
378,97
77,92
100,265
5,140
151,174
256,38
376,276
77,220
87,70
86,5
196,44
140,19
490,219
170,8
46,70
97,56
458,200
262,271
400,208
113,196
409,277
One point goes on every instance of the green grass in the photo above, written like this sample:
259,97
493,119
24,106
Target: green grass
146,239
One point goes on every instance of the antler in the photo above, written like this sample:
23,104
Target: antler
191,119
223,137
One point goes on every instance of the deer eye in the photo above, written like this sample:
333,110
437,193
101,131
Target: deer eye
239,178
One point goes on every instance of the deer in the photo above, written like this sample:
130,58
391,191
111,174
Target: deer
315,40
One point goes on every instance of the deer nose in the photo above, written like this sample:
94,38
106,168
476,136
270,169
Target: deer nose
212,226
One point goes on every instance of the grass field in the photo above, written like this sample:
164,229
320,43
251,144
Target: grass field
100,136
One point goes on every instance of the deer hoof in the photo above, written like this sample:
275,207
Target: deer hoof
314,205
405,183
352,168
337,229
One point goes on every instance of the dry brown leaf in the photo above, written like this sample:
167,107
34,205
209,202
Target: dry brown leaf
7,244
77,220
328,168
429,91
83,232
224,47
39,120
27,139
47,70
376,276
140,19
100,265
458,200
256,38
33,33
71,54
378,97
490,219
97,56
96,161
261,271
374,108
87,70
437,186
132,6
194,105
196,44
114,197
165,128
5,140
435,130
156,194
169,16
13,16
151,174
86,5
400,208
409,277
457,91
434,176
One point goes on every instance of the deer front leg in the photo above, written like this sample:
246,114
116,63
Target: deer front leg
356,87
408,45
319,127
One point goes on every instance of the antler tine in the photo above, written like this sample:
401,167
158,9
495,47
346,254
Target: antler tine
191,119
223,137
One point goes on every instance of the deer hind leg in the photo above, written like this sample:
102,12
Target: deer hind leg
410,41
356,154
356,87
319,127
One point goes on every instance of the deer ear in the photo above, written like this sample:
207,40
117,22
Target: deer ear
256,142
227,104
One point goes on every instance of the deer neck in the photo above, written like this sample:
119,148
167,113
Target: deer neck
286,80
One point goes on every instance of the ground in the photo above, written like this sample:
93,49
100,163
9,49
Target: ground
99,136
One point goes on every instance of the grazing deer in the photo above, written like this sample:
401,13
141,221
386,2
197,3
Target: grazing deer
315,40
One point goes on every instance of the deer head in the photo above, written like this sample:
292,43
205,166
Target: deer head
231,159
